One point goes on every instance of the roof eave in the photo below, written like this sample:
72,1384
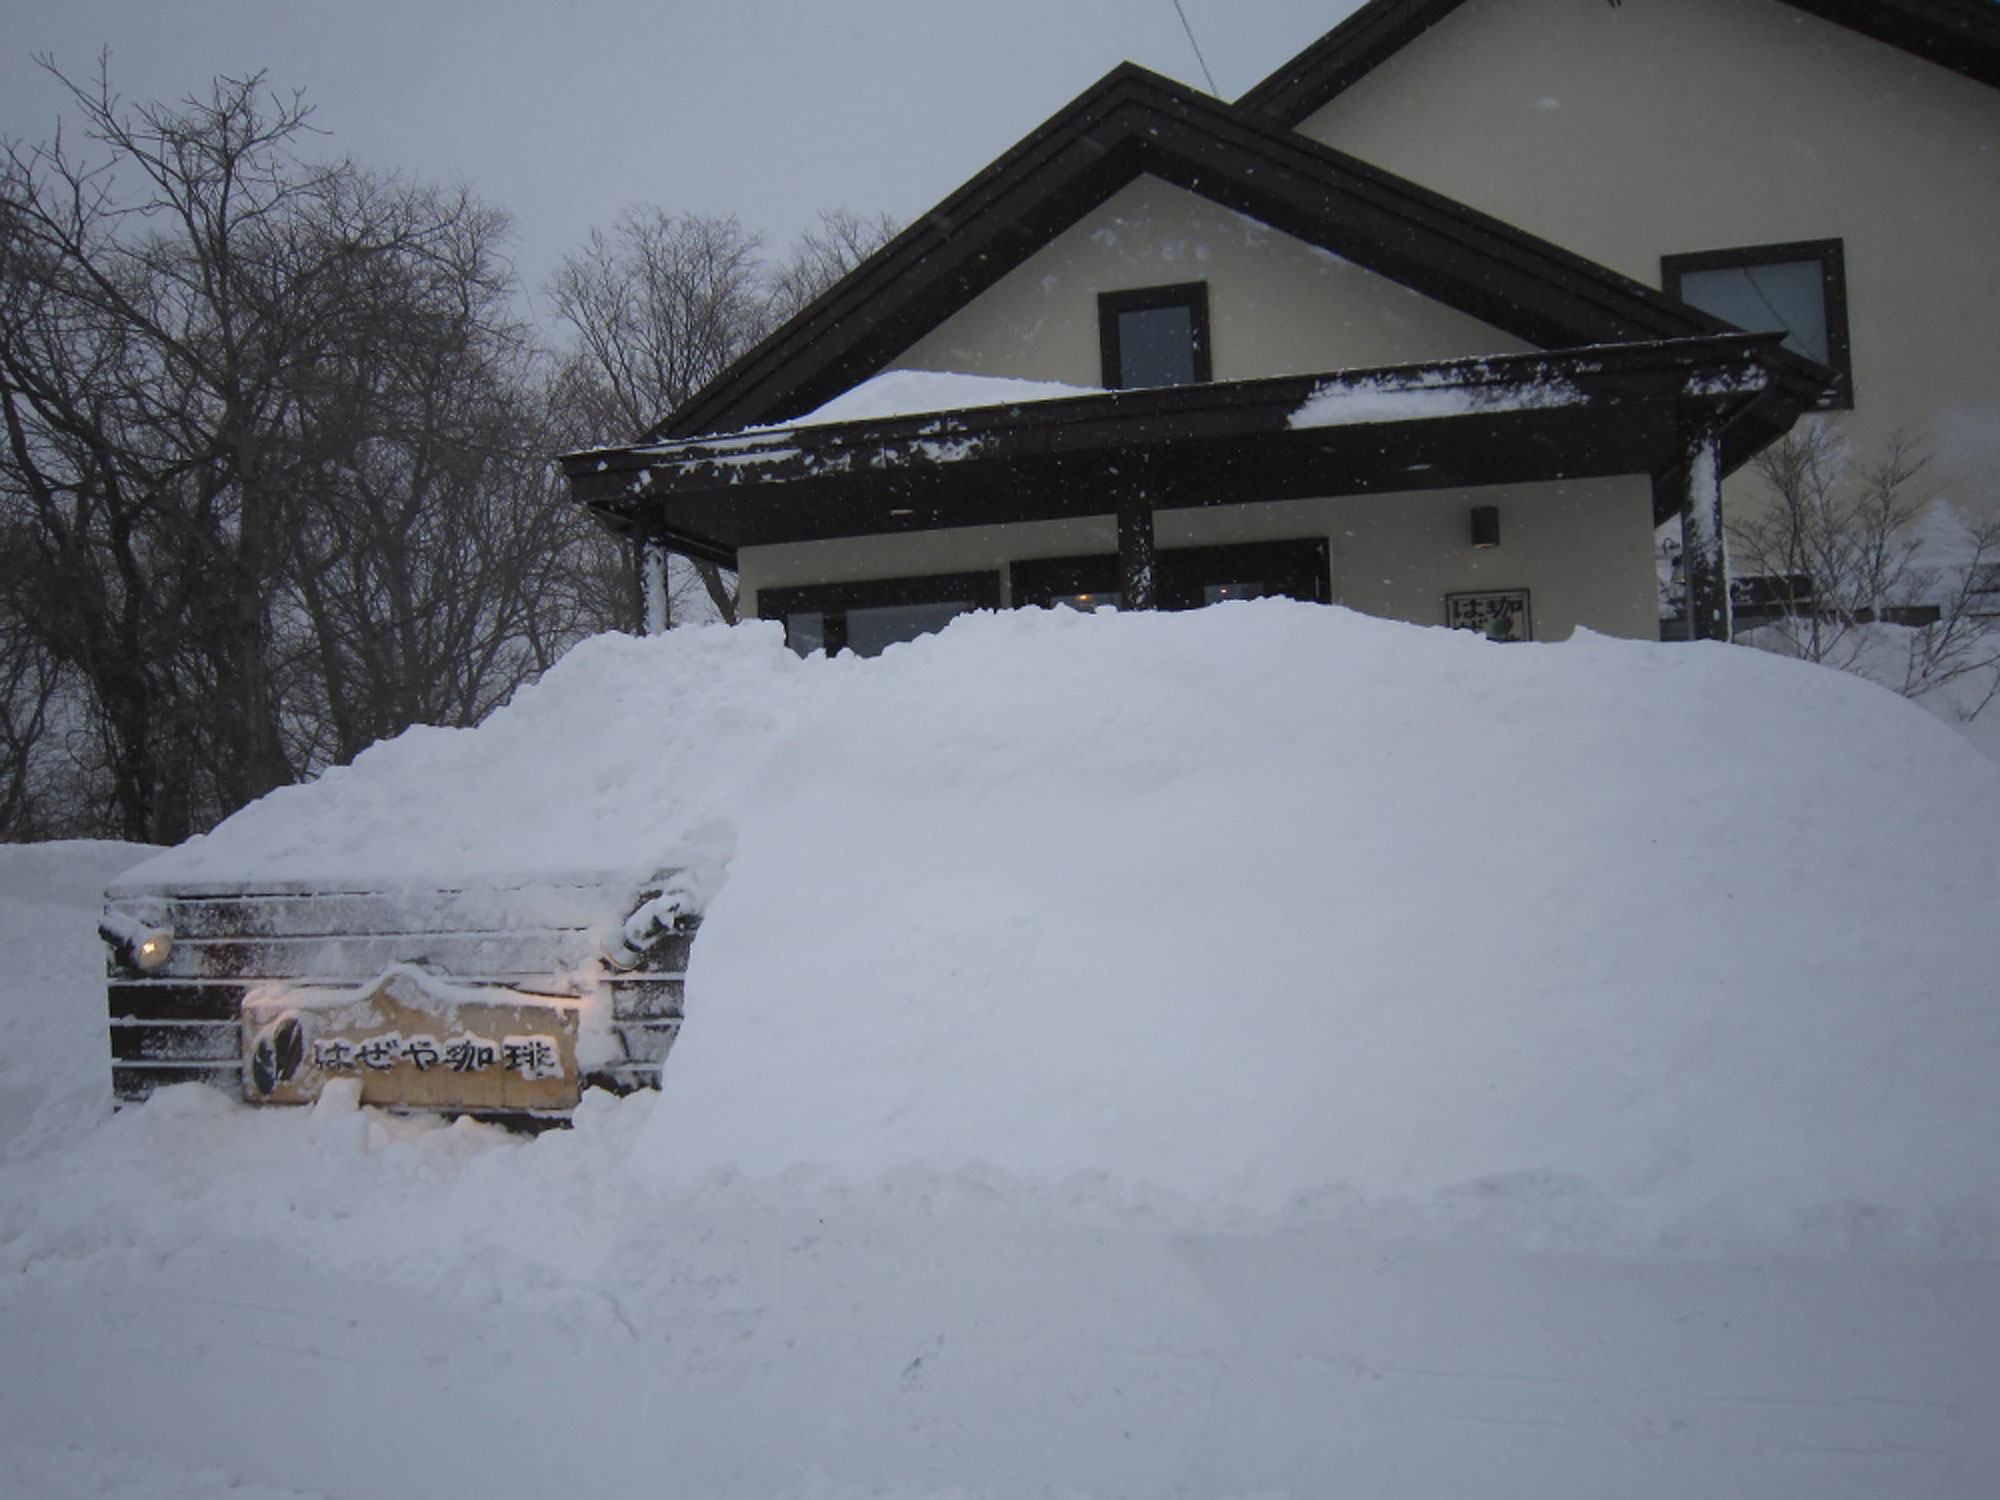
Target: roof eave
1570,413
1961,35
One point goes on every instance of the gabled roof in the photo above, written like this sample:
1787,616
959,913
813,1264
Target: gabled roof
1963,35
1134,123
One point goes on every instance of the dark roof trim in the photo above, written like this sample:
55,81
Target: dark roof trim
1340,59
1962,35
1567,414
1135,123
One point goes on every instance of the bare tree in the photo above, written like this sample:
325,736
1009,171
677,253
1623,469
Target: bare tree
29,680
146,348
824,253
1839,551
274,455
661,303
432,575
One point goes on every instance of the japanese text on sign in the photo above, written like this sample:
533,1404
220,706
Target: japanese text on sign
529,1056
1499,615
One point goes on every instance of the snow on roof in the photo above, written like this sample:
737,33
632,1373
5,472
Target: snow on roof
893,393
1390,398
1259,904
906,393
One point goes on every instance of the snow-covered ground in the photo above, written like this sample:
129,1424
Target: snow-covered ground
1893,655
1256,1052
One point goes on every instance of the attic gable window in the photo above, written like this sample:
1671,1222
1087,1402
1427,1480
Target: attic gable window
1155,335
1797,289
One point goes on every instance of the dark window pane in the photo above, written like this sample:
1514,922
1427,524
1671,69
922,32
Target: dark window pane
1215,593
1156,346
869,630
805,632
1787,297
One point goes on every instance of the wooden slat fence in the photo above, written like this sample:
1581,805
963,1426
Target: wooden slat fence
182,1022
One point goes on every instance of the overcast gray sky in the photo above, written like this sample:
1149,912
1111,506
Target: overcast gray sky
564,113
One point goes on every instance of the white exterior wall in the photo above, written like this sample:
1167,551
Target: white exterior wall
1583,550
1277,306
1661,126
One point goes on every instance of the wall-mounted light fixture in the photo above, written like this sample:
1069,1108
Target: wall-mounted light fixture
656,918
141,945
1485,525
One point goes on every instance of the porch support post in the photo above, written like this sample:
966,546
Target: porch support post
651,559
1135,557
1704,550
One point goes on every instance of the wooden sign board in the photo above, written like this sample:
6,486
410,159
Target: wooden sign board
412,1048
1497,614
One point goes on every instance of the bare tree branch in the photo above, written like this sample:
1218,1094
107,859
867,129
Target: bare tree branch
661,303
276,453
1840,550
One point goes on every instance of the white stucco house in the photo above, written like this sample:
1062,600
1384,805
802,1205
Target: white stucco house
1440,321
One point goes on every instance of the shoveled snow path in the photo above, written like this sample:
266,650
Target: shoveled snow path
748,1349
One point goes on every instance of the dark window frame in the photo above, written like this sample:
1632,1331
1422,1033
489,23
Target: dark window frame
1040,581
1832,258
831,601
1193,295
1302,567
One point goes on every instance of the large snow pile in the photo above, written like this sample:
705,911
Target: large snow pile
629,755
1271,908
1895,656
1250,1053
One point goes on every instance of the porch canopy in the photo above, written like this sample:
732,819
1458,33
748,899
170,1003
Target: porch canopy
1651,408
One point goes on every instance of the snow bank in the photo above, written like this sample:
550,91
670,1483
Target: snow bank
1270,906
55,1070
1268,909
626,759
1068,946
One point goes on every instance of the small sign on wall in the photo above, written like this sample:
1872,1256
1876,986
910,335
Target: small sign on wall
1497,614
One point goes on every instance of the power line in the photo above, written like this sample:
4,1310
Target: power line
1197,49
